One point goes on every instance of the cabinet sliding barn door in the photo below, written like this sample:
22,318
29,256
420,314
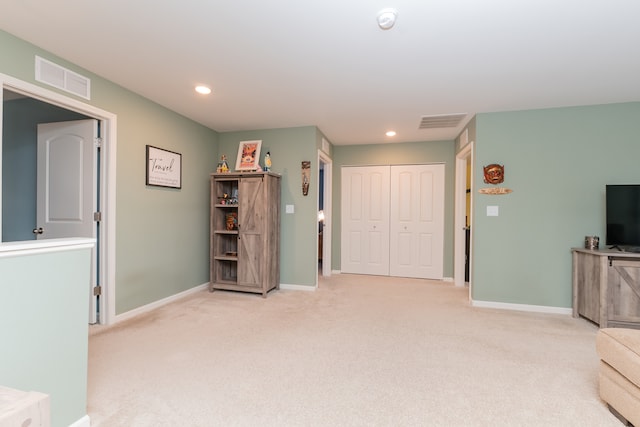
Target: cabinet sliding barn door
251,231
393,220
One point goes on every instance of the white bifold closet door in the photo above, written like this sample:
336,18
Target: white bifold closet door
365,220
393,220
417,221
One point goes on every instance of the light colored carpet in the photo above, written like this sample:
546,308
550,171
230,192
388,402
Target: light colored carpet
360,351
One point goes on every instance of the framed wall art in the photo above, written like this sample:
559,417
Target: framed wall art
248,155
164,168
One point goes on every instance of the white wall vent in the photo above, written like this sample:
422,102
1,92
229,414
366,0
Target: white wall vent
325,146
57,76
441,121
464,138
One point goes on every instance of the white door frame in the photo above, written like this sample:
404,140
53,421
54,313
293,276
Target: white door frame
460,211
327,197
107,249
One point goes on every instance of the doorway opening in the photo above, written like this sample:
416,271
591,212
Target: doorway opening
463,217
66,109
324,215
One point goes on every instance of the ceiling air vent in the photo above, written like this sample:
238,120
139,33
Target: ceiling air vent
441,121
57,76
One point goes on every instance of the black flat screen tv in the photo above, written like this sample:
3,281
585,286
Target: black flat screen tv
623,217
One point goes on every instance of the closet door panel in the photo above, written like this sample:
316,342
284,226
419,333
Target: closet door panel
417,221
353,244
425,250
365,220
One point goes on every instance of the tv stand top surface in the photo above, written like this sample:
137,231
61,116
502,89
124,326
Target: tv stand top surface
632,249
623,252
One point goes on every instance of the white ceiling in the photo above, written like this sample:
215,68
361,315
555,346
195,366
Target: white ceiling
286,63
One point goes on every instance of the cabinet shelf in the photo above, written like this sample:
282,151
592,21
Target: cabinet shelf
226,258
224,284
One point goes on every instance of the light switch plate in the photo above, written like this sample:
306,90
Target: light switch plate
492,211
290,209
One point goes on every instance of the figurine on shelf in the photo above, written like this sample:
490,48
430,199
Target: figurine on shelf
267,161
223,166
232,221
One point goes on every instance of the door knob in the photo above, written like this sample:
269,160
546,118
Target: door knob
38,230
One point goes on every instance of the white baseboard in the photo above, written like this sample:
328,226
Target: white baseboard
82,422
297,287
444,279
522,307
147,308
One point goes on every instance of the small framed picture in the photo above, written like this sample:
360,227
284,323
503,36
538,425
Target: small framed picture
248,155
164,168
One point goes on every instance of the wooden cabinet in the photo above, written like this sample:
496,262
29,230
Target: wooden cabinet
606,287
245,232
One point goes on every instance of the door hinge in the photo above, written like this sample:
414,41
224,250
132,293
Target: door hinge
97,216
97,290
97,142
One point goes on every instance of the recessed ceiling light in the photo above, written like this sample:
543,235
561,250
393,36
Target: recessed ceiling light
203,90
391,133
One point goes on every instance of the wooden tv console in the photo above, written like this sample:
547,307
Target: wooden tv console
606,287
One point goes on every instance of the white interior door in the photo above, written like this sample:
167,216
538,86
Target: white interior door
365,220
66,179
417,221
67,185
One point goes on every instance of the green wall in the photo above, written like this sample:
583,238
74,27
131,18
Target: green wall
390,154
45,330
162,238
162,234
557,161
288,148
